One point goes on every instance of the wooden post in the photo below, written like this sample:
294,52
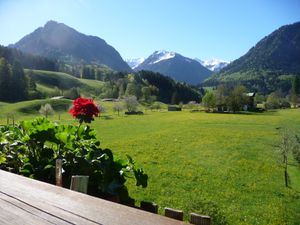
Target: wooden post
174,213
199,219
58,172
79,183
149,207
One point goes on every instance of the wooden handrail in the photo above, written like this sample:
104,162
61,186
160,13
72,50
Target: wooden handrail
27,201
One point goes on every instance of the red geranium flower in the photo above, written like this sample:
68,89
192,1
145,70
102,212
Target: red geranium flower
84,109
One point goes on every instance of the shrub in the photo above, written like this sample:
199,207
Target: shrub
118,107
155,105
131,103
46,110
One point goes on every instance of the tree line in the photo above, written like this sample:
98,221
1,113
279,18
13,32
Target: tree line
149,87
15,85
234,98
27,60
13,82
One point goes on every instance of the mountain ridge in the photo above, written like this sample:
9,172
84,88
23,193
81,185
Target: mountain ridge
176,66
265,65
59,41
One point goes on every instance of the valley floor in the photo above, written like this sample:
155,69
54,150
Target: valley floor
224,165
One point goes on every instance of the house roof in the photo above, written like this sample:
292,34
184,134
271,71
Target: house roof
251,94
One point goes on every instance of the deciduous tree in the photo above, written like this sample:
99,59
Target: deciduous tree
237,98
131,103
46,110
209,100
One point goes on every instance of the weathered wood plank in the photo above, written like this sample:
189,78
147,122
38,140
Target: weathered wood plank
13,214
58,172
79,183
36,212
174,213
55,205
200,219
149,207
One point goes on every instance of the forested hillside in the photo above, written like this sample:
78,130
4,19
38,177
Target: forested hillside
267,67
27,60
14,86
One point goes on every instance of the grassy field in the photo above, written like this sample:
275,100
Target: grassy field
224,165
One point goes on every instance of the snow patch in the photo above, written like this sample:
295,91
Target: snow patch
162,55
133,63
214,65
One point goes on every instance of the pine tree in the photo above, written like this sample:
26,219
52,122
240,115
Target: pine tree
130,89
19,84
5,79
295,90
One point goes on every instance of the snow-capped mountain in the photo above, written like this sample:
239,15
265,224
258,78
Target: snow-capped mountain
159,56
214,65
174,65
133,63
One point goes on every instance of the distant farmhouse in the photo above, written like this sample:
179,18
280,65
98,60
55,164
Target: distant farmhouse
249,106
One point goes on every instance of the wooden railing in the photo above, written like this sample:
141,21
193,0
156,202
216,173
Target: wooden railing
27,201
80,184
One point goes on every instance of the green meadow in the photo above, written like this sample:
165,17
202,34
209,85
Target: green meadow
225,165
49,83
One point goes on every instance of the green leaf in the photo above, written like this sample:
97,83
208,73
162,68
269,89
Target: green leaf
49,166
2,159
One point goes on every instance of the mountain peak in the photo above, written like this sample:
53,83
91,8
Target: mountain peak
162,55
58,41
51,23
174,65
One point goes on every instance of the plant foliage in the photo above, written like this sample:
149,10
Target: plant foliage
32,147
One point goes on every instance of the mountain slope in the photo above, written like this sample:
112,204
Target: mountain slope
58,41
176,66
275,55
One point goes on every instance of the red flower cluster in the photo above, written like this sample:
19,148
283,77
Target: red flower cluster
84,109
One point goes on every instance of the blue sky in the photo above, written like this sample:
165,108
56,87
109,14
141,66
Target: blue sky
222,29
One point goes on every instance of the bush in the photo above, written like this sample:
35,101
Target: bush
134,113
46,110
131,103
73,93
155,105
285,104
32,147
